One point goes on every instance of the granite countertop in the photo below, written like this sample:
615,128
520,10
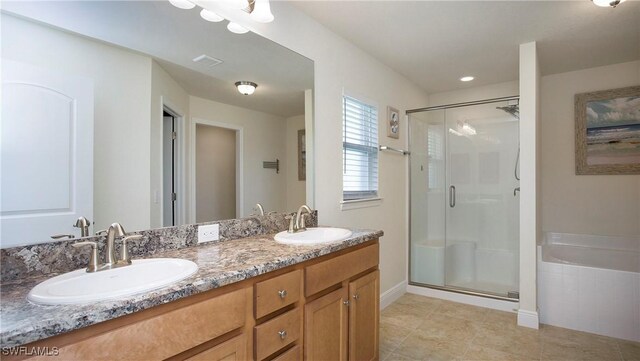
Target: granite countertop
219,264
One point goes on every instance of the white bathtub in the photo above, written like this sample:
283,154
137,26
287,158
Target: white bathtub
590,283
608,252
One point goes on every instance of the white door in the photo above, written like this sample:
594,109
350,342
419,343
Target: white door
46,173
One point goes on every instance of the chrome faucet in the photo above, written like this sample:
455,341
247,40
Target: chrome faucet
114,231
83,224
298,223
259,208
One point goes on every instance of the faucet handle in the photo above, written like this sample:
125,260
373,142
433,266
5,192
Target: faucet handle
59,236
101,232
292,223
125,257
93,258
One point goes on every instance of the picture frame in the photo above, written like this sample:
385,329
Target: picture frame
607,125
393,123
302,156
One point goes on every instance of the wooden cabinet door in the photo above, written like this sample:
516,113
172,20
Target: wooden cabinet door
364,312
232,350
325,326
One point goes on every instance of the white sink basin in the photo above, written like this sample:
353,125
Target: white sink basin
313,236
143,275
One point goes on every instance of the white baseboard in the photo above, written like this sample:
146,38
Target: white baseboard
392,294
479,301
528,319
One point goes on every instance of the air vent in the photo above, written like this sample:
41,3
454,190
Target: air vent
207,60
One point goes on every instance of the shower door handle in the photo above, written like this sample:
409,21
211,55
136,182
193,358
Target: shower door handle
452,196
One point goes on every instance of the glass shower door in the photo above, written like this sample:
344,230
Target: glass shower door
481,232
427,197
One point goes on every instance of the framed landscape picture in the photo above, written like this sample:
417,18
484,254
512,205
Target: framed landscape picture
608,131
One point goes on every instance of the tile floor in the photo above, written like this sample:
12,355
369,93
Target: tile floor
422,328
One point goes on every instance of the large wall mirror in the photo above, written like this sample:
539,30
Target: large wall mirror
128,112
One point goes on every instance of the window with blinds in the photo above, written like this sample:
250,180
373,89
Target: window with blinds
359,150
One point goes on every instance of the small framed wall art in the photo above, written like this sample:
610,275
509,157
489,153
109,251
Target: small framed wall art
608,131
393,123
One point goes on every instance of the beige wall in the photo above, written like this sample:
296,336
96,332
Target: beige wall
263,140
583,204
475,93
339,65
165,90
296,189
122,87
215,173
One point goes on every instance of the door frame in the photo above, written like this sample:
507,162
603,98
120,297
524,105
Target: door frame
239,130
180,150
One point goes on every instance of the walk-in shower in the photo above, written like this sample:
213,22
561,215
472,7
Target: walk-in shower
464,203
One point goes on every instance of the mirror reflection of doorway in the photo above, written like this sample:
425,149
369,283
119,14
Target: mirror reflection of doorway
169,195
216,160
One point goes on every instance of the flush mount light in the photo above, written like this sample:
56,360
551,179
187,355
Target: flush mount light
236,28
467,78
182,4
607,3
209,15
246,87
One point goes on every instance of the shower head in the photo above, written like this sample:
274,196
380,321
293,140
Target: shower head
514,110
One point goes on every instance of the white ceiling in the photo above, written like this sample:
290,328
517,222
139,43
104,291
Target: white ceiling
434,43
174,37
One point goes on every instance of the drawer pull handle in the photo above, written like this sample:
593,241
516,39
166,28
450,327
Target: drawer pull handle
356,296
282,293
282,334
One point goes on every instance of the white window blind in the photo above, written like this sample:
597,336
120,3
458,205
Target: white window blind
359,150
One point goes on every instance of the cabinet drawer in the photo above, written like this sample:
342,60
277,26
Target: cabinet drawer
294,354
275,334
278,292
165,335
231,350
325,274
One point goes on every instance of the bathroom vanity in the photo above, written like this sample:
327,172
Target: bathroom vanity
251,299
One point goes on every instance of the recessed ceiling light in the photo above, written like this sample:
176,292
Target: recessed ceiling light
467,78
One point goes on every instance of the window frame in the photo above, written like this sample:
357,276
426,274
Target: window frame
370,152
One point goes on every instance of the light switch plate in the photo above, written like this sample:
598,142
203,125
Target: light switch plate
208,233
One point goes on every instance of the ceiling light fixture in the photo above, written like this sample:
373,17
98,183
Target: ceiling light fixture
246,87
236,28
467,78
209,15
607,3
257,10
262,11
182,4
